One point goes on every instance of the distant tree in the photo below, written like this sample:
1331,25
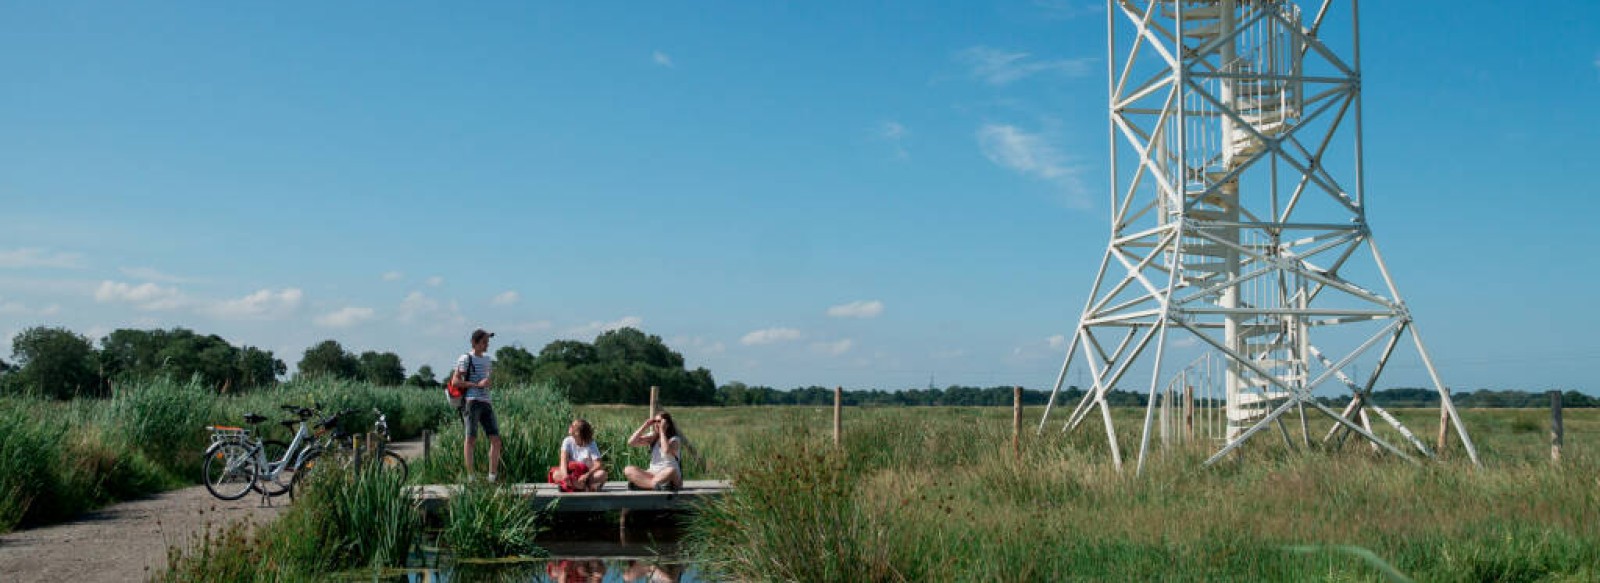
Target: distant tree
620,367
513,365
182,354
329,359
383,369
424,378
54,362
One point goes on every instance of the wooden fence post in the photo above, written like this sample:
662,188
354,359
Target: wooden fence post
1444,429
838,420
654,406
355,444
1016,421
1555,426
427,443
1188,413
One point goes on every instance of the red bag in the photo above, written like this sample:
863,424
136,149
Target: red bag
574,471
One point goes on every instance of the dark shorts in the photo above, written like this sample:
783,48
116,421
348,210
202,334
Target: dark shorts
480,414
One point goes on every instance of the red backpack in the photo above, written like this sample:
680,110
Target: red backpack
454,394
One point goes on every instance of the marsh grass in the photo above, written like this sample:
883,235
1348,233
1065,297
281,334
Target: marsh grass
59,459
533,419
936,494
489,521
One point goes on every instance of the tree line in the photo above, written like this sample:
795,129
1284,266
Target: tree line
618,367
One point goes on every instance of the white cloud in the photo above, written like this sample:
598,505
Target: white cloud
11,307
998,67
894,133
148,274
433,316
1065,9
857,309
393,276
528,327
834,348
263,304
596,328
1031,155
770,336
435,281
700,345
36,257
344,318
950,354
1058,341
147,296
505,299
50,310
662,59
416,304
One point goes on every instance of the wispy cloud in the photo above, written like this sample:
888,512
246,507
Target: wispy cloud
36,257
700,345
1066,9
264,304
596,328
895,134
857,309
1057,342
16,308
147,297
770,336
662,59
393,276
433,316
835,348
149,274
527,327
998,67
505,298
435,281
1031,155
344,317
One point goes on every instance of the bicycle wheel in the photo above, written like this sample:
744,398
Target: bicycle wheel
230,470
274,484
392,462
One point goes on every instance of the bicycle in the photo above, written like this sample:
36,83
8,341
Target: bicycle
341,447
235,464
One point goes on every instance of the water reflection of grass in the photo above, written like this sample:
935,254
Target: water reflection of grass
935,494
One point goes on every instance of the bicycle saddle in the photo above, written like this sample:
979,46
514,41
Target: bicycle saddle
289,423
254,418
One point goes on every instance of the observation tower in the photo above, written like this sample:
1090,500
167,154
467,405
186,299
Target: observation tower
1239,233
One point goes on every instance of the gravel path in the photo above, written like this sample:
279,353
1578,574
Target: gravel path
128,541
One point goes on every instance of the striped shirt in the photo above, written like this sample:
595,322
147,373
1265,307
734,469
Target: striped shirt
481,367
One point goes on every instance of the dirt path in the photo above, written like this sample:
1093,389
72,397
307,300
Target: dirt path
128,541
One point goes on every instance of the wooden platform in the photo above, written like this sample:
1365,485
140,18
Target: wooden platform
614,496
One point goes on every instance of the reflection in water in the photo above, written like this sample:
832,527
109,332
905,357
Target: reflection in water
581,552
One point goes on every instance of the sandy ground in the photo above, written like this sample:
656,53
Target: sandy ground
128,541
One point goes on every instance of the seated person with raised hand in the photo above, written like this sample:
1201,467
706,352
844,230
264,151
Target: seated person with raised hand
581,469
664,443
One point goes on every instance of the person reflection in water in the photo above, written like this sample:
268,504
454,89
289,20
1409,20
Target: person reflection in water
652,572
575,570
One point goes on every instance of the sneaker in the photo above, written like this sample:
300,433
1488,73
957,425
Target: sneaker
493,478
666,487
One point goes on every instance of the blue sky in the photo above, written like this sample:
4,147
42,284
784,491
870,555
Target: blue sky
857,194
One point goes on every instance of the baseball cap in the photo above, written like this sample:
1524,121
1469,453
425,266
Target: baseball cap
481,334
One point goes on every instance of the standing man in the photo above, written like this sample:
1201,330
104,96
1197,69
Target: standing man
472,372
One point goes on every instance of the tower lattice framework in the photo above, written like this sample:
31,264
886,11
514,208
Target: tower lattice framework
1239,226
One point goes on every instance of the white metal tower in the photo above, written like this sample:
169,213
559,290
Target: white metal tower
1239,224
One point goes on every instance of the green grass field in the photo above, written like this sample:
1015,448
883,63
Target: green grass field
936,494
913,494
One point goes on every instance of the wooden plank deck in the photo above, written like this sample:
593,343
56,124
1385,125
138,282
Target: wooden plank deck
613,496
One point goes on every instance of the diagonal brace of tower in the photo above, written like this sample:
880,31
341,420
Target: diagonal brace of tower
1237,226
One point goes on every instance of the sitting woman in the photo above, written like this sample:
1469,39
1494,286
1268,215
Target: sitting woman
664,444
581,469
